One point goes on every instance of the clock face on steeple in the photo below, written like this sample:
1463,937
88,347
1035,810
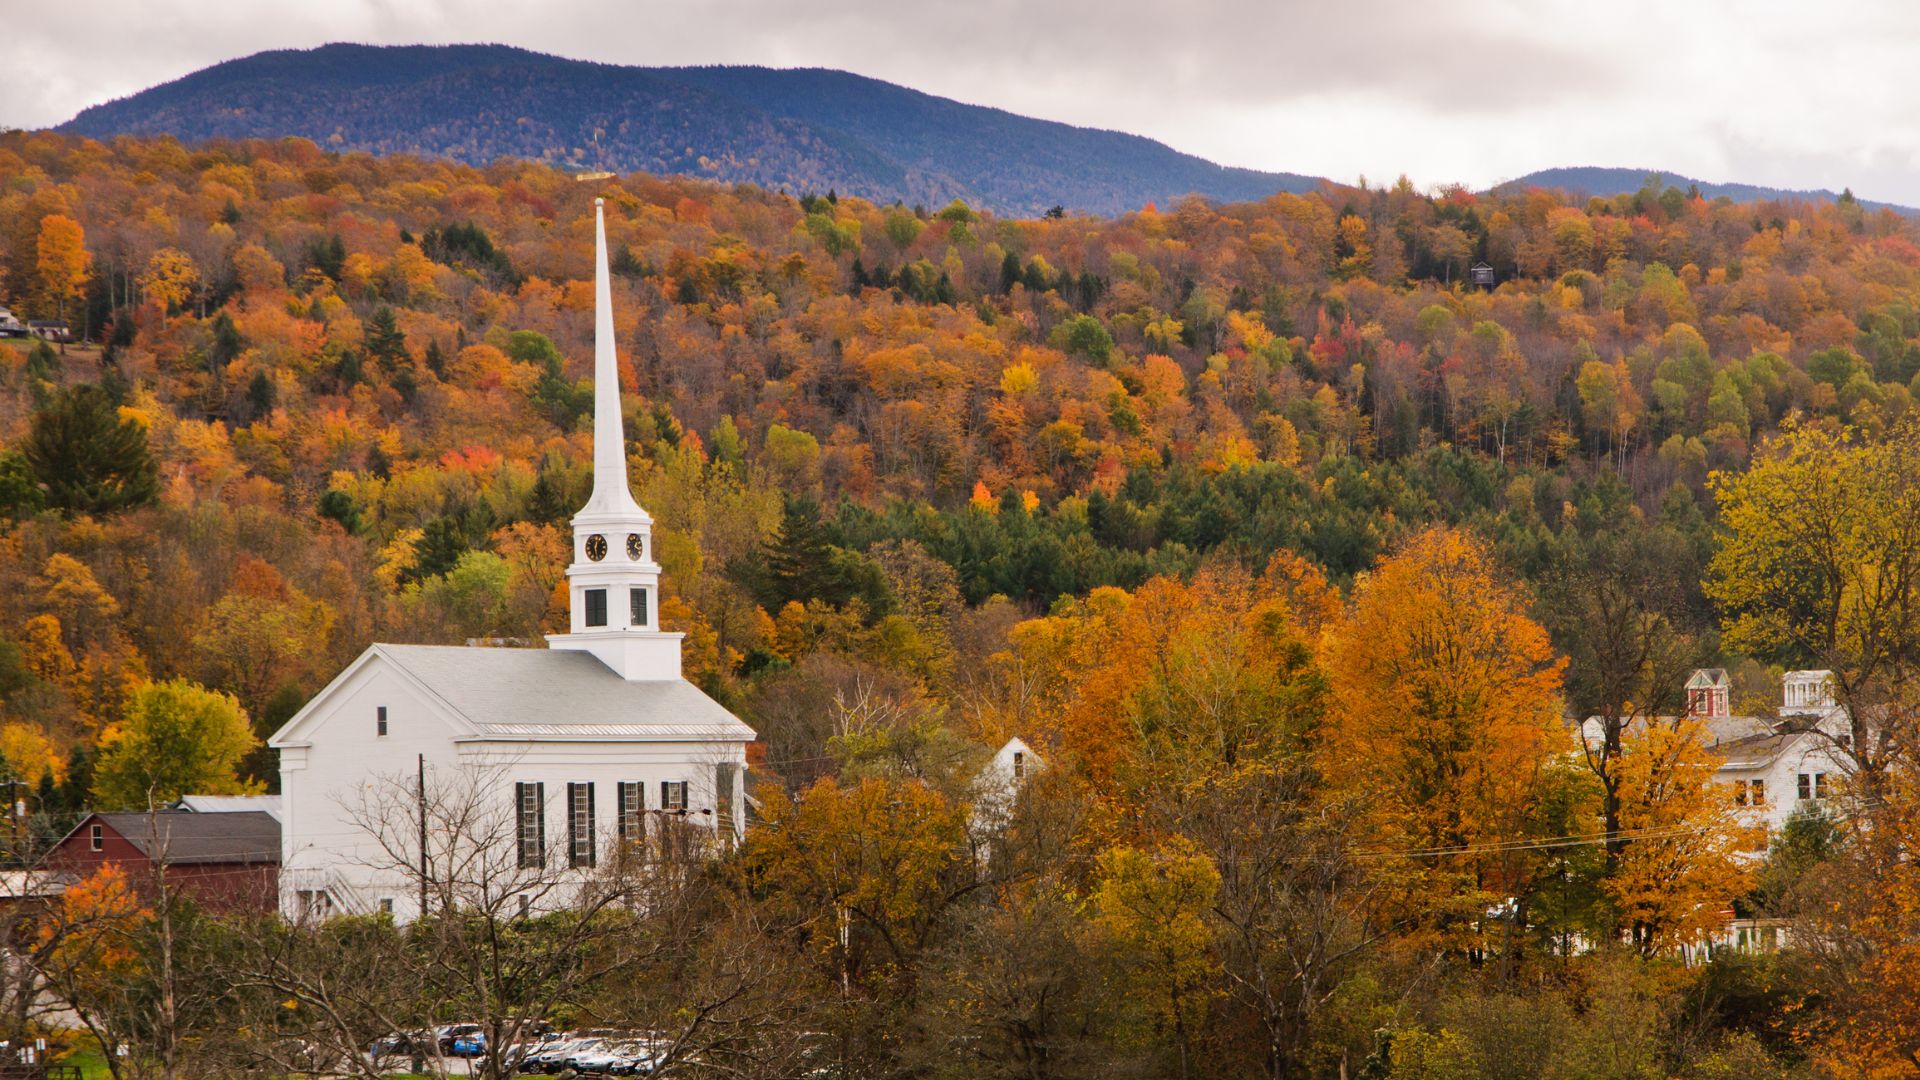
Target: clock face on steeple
636,547
596,547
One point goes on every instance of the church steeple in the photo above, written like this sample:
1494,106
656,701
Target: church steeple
613,585
610,492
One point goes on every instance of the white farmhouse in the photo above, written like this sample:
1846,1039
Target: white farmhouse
575,747
1770,766
1776,765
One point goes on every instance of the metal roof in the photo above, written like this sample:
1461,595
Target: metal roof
562,693
228,804
182,836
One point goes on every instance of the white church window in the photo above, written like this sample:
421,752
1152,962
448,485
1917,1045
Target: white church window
638,599
673,795
580,825
380,721
596,607
633,827
530,823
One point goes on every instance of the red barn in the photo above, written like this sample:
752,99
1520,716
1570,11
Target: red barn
224,861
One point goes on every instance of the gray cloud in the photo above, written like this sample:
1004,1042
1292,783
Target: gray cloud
1763,91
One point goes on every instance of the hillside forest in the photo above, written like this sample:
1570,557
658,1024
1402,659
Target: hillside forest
1289,552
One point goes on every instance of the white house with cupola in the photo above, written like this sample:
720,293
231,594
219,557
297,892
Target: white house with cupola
578,749
1770,765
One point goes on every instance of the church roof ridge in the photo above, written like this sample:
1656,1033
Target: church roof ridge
544,693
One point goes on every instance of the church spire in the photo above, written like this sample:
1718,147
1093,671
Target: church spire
613,584
610,492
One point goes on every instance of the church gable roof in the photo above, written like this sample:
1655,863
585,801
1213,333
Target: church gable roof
559,693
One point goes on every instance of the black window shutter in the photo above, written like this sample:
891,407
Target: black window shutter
540,821
593,849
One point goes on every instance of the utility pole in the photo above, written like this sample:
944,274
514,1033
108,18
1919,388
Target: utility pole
422,793
17,810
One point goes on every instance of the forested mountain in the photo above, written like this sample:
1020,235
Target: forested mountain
1289,553
1591,180
798,130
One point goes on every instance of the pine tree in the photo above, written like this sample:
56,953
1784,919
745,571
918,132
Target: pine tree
86,457
384,342
546,503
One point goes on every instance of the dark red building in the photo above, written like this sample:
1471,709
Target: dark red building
224,861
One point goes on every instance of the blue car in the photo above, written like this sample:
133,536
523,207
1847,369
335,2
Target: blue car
471,1045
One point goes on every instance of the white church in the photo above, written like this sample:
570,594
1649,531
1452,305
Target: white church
569,754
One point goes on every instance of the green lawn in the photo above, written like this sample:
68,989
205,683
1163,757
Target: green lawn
93,1064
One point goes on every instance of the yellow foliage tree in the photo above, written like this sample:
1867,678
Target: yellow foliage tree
176,739
872,859
1682,865
1150,909
62,260
170,278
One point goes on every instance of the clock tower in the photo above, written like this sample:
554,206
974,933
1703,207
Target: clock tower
613,584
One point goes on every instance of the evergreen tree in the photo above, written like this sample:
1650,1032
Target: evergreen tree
261,394
1009,271
225,348
384,342
43,363
20,495
441,545
328,256
800,563
339,506
88,459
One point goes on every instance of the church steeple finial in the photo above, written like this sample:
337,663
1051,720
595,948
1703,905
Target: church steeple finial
611,495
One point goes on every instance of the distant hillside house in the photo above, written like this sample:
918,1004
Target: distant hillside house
516,761
997,787
224,861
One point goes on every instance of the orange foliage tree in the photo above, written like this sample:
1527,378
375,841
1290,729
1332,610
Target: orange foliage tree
1445,721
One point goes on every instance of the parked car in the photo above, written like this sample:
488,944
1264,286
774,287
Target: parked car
619,1059
472,1044
393,1044
517,1054
591,1048
554,1057
449,1034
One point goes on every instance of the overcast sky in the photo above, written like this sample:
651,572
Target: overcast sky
1474,91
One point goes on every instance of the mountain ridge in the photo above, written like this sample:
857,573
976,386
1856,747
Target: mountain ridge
804,129
1608,180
